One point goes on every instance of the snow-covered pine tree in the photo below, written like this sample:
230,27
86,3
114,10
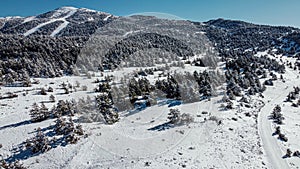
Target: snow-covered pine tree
39,113
105,105
35,113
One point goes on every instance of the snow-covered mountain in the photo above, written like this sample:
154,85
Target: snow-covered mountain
86,89
65,21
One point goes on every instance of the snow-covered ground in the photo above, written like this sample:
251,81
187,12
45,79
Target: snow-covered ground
243,138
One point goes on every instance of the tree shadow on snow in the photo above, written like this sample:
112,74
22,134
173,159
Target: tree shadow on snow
162,127
135,111
285,156
22,123
20,152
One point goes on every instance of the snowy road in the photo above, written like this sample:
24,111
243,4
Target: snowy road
270,144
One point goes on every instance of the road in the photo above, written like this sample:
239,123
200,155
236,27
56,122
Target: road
270,143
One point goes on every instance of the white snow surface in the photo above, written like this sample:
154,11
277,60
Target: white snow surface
106,18
28,19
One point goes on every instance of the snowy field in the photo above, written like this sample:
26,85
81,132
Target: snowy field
221,138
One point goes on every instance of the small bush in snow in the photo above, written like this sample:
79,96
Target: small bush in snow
288,153
50,89
84,88
215,119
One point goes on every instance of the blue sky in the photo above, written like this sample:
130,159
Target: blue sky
274,12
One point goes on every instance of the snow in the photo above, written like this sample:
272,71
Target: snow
59,12
31,31
59,28
64,10
28,19
11,17
130,32
91,19
93,11
88,10
106,18
201,33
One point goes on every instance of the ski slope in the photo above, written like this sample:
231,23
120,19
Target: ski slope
65,23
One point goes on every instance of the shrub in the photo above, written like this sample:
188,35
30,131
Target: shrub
84,88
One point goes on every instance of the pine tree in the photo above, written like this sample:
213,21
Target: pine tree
50,89
105,106
60,109
35,112
44,111
52,98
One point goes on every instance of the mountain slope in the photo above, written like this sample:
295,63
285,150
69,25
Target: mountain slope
65,21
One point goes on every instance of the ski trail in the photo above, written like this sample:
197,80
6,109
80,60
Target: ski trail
57,30
106,18
63,25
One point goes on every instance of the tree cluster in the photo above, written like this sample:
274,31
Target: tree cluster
68,129
38,144
139,88
142,41
203,80
62,108
293,96
177,118
39,113
280,135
